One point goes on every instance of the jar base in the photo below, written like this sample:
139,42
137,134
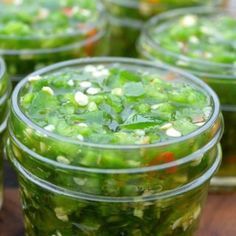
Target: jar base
223,184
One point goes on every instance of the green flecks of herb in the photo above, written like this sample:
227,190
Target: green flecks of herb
133,89
185,125
92,117
138,121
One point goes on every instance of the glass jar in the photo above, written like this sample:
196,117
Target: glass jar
5,89
101,191
220,76
126,19
60,30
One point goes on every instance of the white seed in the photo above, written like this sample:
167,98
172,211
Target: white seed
93,91
58,233
194,40
18,2
80,181
208,55
28,131
85,12
43,13
61,214
200,123
181,63
63,160
42,146
189,20
117,91
71,82
205,30
101,67
92,106
48,90
82,125
172,132
90,68
85,84
166,126
50,128
100,73
75,9
34,78
81,99
80,137
155,106
197,212
140,132
138,213
177,223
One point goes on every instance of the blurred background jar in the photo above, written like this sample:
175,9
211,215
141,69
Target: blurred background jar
126,19
38,33
201,41
5,89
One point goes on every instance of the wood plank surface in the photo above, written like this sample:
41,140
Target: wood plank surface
219,216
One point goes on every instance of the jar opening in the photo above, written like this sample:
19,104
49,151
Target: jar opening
81,62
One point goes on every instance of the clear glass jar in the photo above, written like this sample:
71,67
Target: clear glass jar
144,9
5,89
25,52
123,29
221,77
109,196
126,19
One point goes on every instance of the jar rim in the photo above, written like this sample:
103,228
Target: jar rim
112,60
14,52
2,68
160,195
179,12
182,161
135,4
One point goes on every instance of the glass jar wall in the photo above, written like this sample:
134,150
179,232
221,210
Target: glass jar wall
81,187
5,89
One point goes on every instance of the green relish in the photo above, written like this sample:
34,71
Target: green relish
34,34
100,104
198,37
201,41
110,146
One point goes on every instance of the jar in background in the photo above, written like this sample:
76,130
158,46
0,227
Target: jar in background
5,89
126,19
39,33
208,52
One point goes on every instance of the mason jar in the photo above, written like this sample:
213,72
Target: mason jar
215,64
126,19
36,34
100,182
5,89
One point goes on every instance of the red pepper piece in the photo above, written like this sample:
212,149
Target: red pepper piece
68,11
163,158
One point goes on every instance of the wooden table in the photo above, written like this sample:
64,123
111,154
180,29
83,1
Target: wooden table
219,218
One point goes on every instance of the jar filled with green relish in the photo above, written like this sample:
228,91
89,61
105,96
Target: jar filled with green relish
202,41
38,33
5,89
98,151
126,19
